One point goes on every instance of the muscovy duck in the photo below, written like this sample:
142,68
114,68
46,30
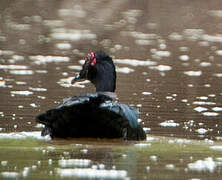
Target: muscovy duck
94,115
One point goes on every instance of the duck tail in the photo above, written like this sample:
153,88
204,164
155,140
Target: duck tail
136,133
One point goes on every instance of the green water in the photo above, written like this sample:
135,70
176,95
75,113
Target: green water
157,158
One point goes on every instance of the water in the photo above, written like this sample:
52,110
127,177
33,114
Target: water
167,56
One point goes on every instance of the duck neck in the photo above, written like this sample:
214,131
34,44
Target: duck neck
105,85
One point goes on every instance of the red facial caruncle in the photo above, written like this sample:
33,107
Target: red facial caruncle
91,56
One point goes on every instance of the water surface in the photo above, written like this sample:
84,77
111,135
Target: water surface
168,59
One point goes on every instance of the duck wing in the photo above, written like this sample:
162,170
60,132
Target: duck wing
90,115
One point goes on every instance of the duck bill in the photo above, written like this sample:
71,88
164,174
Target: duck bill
76,78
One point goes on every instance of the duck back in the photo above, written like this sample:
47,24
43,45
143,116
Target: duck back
92,115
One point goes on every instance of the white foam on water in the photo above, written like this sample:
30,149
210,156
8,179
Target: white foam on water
4,163
203,103
124,70
39,59
203,165
215,13
24,135
184,57
64,163
205,64
76,11
219,52
163,53
218,75
142,145
54,23
170,166
21,72
212,38
210,114
92,173
64,46
33,105
200,109
38,89
193,73
202,97
23,93
169,123
216,148
75,67
135,62
2,83
10,175
153,158
73,35
144,42
217,109
161,68
13,67
66,82
6,52
146,93
175,36
201,131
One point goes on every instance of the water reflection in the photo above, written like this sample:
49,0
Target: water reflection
90,159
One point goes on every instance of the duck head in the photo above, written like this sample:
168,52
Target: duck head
100,70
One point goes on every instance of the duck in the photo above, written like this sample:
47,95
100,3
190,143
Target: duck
93,115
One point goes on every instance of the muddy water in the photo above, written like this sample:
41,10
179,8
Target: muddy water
168,58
